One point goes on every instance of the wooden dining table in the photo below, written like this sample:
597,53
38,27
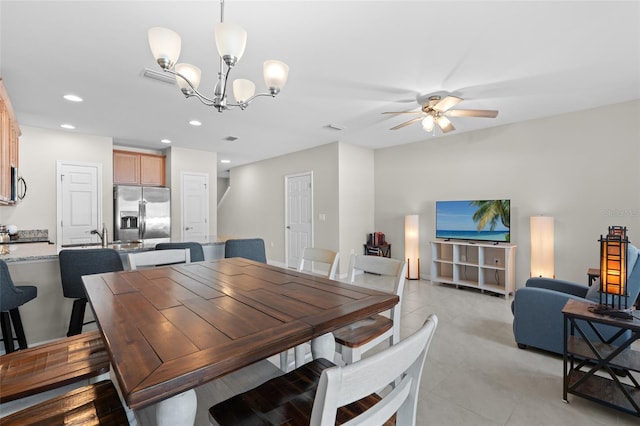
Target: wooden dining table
170,329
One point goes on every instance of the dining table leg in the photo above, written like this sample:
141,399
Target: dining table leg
323,347
177,410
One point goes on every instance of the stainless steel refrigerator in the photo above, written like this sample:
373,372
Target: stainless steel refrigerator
141,212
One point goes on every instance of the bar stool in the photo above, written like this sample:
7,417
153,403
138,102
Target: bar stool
11,297
74,264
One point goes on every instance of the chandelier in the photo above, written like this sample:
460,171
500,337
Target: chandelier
231,41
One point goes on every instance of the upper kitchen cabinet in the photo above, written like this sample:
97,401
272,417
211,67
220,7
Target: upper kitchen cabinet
136,168
9,144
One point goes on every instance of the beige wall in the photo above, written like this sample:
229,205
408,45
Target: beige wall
356,199
581,168
254,207
182,160
39,151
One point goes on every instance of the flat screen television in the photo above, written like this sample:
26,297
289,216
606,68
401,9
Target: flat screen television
481,220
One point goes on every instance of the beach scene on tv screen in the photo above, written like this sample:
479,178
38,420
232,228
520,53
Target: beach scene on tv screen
485,220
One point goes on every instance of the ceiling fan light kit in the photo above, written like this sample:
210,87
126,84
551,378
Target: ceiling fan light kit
435,110
231,41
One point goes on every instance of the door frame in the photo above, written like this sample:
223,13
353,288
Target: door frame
59,165
182,203
286,213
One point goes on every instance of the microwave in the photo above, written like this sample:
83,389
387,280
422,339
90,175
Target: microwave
18,186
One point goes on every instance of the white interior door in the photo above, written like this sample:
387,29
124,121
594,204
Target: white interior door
79,202
299,216
195,206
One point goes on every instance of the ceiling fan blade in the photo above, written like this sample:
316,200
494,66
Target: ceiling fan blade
406,123
485,113
446,103
444,124
402,112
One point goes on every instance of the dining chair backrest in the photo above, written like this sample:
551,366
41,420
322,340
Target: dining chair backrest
74,263
249,248
197,253
154,258
319,255
392,275
401,364
393,269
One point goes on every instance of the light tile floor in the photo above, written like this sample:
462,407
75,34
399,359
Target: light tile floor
476,375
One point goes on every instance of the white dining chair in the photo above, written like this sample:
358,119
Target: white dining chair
355,339
308,260
313,255
152,258
319,393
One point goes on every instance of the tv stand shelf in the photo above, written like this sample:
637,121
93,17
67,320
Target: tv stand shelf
485,266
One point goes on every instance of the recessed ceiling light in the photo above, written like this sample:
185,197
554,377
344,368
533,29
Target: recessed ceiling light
73,98
165,140
68,126
225,161
195,123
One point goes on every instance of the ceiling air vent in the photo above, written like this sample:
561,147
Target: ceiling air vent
159,76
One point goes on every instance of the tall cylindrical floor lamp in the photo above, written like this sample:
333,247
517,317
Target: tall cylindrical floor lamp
412,246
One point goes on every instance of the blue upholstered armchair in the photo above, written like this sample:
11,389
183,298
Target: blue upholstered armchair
537,307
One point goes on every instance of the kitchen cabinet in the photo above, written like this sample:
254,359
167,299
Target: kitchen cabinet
9,145
136,168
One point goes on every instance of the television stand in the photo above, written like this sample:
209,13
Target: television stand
481,265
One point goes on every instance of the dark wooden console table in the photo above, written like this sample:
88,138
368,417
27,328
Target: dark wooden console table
377,250
584,357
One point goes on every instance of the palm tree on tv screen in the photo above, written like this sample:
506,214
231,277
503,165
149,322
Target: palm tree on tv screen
489,212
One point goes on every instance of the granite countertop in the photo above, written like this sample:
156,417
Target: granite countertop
48,251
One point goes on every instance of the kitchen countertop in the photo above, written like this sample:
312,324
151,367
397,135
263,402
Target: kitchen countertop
48,251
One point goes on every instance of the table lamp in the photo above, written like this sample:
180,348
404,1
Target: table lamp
613,273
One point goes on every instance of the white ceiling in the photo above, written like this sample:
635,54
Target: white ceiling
349,61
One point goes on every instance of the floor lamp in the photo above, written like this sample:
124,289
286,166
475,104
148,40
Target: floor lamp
542,264
412,246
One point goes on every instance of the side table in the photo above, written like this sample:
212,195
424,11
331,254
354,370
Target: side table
592,274
584,357
377,250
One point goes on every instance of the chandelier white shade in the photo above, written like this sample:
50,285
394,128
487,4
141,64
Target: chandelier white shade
542,262
243,89
231,41
165,45
192,73
275,74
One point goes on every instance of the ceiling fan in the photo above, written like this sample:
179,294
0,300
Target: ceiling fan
436,109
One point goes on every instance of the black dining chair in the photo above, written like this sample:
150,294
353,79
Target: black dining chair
11,297
249,248
197,253
76,263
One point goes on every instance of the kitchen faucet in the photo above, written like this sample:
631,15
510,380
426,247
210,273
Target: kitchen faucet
102,235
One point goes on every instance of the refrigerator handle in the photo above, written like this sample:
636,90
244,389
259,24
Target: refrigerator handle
143,219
